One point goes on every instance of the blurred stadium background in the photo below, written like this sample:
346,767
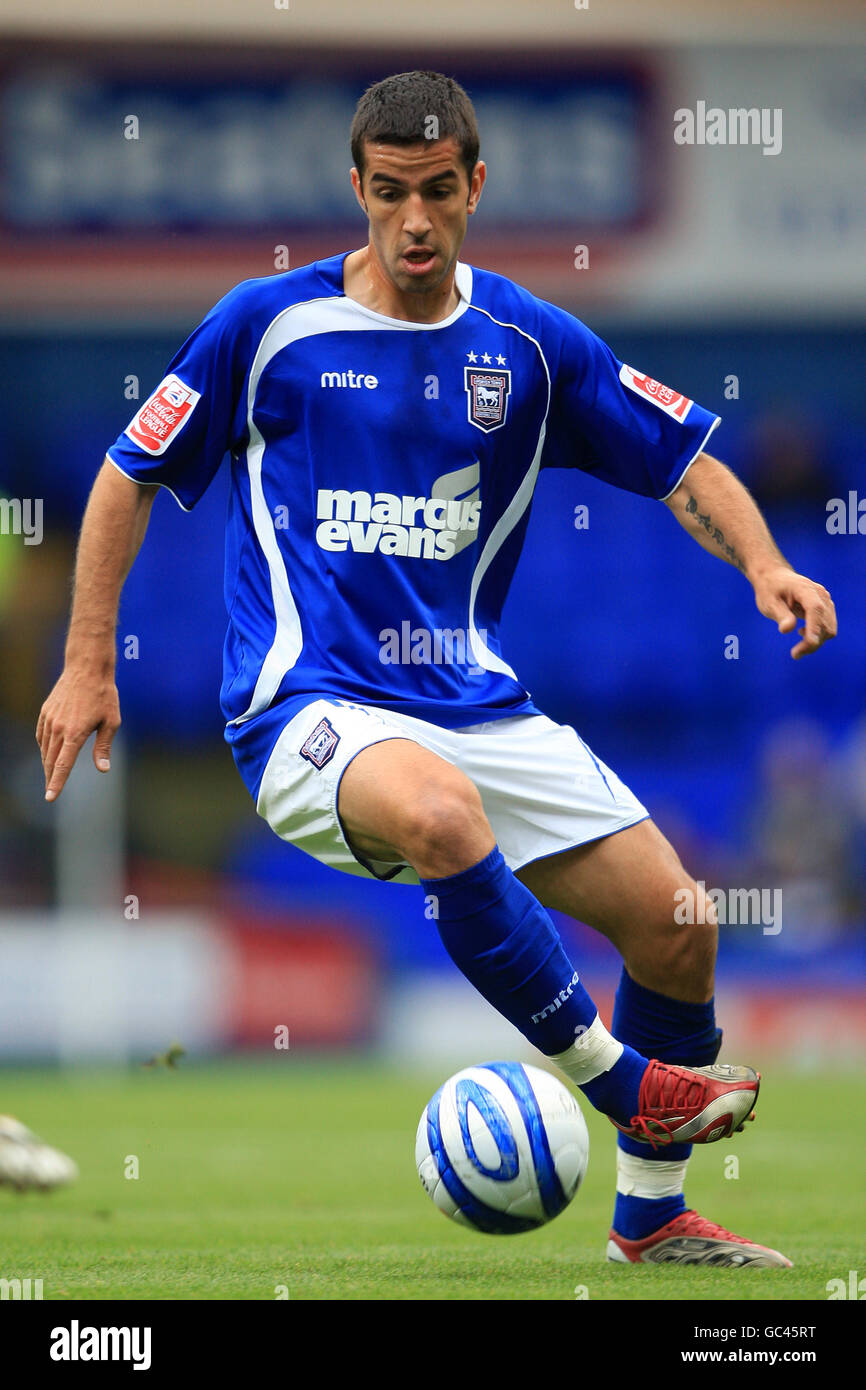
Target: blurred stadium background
153,906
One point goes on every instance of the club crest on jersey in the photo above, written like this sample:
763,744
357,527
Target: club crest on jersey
163,415
487,397
320,746
671,402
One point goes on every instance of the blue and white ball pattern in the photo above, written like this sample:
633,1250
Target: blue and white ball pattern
502,1147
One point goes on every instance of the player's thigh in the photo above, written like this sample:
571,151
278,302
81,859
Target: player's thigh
398,800
624,885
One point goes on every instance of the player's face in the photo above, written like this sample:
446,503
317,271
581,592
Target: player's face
418,199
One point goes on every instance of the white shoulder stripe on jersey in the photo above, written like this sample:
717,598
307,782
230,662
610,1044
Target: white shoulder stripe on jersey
507,522
307,319
329,314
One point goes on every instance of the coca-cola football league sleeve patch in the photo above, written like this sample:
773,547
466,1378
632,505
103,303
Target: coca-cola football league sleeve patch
676,405
163,415
180,435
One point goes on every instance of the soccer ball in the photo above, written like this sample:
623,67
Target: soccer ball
502,1147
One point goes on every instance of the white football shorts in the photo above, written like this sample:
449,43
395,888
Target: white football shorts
542,789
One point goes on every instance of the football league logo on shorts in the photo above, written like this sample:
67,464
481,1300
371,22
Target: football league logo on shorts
321,745
487,397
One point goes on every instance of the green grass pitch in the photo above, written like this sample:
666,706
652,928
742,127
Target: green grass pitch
291,1177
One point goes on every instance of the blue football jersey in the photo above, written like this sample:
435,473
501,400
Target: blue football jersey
382,475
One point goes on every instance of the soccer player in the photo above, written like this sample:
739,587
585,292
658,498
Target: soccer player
386,412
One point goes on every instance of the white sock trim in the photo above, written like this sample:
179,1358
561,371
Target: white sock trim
649,1177
593,1051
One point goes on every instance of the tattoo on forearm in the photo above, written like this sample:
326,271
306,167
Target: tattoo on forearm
703,519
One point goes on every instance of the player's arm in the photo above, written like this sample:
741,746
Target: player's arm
85,699
712,505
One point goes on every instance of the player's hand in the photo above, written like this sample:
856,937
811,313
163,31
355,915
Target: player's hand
787,598
79,704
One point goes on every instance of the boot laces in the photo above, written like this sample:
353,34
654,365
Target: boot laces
674,1089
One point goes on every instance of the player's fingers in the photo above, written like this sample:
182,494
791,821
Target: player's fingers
779,609
51,746
44,734
819,624
827,615
60,770
102,747
812,639
59,765
46,728
50,755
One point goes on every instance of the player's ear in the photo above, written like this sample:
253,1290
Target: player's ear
476,183
356,184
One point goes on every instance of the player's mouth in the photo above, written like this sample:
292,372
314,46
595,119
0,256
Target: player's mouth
418,260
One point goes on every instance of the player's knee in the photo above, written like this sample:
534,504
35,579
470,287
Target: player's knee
446,830
710,915
695,946
689,952
680,953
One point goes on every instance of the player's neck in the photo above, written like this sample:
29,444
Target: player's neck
365,281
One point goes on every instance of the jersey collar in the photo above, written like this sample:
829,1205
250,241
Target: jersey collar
331,271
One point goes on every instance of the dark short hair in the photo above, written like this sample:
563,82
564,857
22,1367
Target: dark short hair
397,111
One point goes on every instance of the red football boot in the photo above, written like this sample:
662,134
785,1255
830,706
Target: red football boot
692,1240
692,1105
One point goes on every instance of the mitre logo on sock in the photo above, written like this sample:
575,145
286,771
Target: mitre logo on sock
558,1002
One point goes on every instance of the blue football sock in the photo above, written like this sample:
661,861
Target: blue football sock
616,1092
504,942
670,1030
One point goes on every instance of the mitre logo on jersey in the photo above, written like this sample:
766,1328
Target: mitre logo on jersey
671,402
163,415
487,397
437,527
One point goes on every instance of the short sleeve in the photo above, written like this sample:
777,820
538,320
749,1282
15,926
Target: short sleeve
612,420
180,435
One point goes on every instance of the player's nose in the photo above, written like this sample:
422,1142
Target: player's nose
416,221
